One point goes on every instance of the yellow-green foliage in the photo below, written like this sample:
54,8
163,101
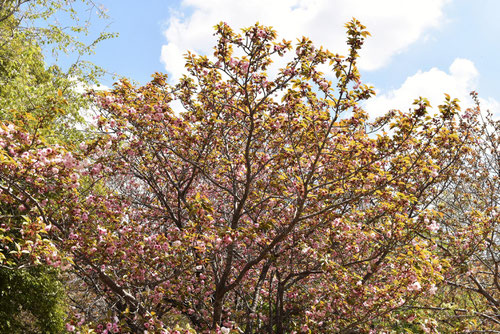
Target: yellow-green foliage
31,301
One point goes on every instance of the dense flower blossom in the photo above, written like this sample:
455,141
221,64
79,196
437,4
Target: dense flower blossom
265,203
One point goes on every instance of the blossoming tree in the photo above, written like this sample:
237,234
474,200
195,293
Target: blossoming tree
468,236
267,204
251,202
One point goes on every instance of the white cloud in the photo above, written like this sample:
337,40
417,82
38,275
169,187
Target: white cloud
394,24
461,79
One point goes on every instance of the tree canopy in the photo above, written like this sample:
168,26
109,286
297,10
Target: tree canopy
249,197
40,103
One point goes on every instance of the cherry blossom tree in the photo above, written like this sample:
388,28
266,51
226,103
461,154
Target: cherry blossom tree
267,204
245,198
38,112
468,235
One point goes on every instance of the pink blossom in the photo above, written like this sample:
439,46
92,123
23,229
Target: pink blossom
69,161
96,169
47,151
433,227
158,116
244,66
261,33
415,286
323,85
227,240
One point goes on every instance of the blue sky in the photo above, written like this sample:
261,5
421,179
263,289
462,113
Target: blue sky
425,47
